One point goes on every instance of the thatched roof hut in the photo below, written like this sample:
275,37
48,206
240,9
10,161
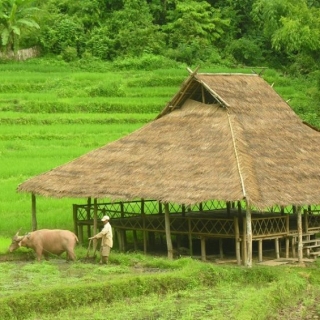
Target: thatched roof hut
227,137
222,136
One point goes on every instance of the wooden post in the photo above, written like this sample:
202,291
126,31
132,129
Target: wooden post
220,248
144,232
244,241
239,209
249,235
167,230
95,216
80,237
95,221
34,212
75,219
237,240
183,208
203,249
135,240
306,220
89,216
300,245
190,237
293,247
276,243
287,246
228,208
118,234
260,251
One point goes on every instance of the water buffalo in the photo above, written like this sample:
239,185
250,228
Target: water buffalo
46,241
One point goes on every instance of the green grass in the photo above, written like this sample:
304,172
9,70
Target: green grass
136,286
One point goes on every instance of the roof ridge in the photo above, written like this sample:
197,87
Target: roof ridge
237,155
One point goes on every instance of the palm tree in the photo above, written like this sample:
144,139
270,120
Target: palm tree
15,17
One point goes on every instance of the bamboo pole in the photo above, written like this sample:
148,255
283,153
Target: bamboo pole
306,214
190,237
88,216
95,221
145,240
277,248
34,212
237,240
203,249
249,235
300,245
167,230
75,219
260,251
135,240
220,248
287,246
95,216
244,241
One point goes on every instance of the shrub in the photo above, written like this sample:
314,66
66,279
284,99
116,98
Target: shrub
245,51
69,54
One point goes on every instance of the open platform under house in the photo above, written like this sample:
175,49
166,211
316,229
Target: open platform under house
226,160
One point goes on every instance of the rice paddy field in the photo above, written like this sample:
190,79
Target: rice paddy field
51,113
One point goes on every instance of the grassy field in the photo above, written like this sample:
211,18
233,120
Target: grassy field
51,113
135,286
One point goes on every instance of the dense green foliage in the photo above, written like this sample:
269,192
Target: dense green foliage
282,34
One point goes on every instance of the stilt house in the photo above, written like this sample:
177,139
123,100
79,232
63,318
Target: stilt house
227,158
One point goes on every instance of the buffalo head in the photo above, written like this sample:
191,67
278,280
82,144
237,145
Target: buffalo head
15,243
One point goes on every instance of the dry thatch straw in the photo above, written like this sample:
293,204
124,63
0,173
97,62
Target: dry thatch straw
222,136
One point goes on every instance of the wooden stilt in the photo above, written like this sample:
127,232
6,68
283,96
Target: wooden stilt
144,232
167,230
244,242
95,216
287,246
276,243
135,240
75,220
190,238
249,235
300,245
293,247
89,216
220,249
203,249
260,251
237,240
80,236
95,221
34,212
118,233
145,241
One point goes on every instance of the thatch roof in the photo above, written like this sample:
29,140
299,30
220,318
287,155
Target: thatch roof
222,136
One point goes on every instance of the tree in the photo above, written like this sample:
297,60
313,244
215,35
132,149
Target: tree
132,31
293,29
16,16
193,28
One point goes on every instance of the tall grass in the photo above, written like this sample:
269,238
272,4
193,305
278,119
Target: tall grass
142,287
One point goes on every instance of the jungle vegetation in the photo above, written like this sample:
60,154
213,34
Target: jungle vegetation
281,34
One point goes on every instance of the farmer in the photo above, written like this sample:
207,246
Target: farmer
107,240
